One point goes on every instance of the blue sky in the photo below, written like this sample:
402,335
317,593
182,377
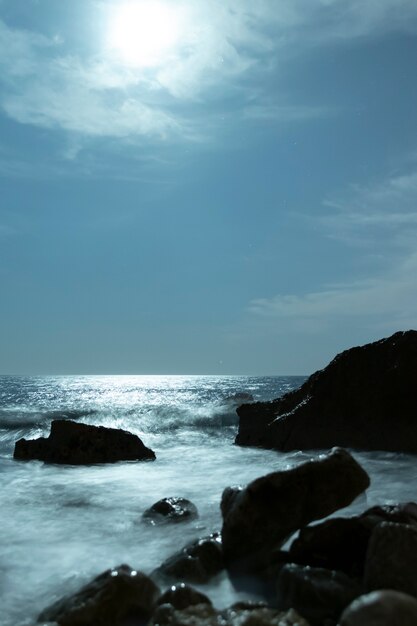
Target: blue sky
205,187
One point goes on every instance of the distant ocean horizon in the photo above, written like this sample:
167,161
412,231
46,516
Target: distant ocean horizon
62,525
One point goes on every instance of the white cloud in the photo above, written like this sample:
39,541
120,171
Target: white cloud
223,44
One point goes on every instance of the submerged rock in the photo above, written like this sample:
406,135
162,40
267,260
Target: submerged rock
197,562
117,596
172,509
365,398
81,444
381,608
261,517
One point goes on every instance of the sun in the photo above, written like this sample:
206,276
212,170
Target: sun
144,32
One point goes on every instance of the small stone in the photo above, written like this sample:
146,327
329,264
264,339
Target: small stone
181,595
174,509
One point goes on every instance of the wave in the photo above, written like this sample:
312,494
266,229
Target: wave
12,419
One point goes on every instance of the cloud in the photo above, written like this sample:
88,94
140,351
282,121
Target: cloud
222,47
383,211
385,301
383,214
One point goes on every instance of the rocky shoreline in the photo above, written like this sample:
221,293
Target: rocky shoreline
340,571
307,568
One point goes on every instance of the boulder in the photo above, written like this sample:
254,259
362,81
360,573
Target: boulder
197,562
365,399
381,608
81,444
317,594
261,517
115,597
391,559
341,543
172,509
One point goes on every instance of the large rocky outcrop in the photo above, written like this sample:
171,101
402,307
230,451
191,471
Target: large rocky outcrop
365,398
261,517
81,444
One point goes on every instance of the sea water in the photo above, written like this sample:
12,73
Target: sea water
62,525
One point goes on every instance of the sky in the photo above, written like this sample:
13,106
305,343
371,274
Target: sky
205,187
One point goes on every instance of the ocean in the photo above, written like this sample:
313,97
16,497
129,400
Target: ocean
63,525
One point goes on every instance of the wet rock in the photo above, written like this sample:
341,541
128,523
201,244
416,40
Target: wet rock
381,608
81,444
341,543
259,518
365,398
197,562
391,559
318,594
170,510
196,615
115,597
180,596
205,615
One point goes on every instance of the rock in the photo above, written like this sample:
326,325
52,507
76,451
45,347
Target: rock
180,596
262,616
341,543
111,599
318,594
205,615
197,562
170,510
381,608
195,615
365,399
81,444
259,518
391,560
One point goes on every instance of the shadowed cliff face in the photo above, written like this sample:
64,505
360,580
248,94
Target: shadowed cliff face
365,398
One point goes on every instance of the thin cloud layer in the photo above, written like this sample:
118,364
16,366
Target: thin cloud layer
384,214
222,47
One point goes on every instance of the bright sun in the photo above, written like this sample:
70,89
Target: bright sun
143,32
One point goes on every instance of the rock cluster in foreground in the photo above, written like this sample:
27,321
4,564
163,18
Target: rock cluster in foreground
82,444
344,571
365,398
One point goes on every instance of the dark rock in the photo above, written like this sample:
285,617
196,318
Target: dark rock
318,594
113,598
365,398
206,615
259,518
391,560
81,444
197,562
195,615
381,608
171,510
180,596
341,543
